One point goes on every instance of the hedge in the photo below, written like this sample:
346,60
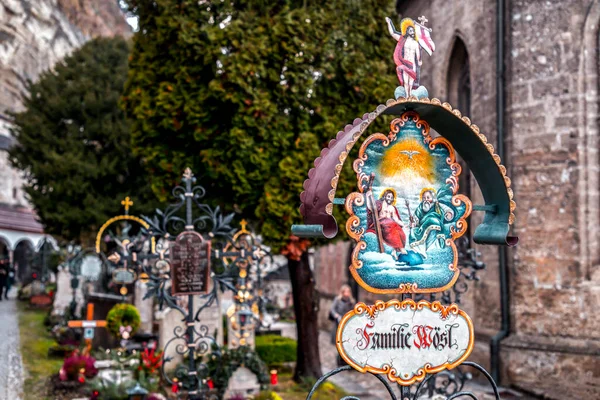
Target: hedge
274,349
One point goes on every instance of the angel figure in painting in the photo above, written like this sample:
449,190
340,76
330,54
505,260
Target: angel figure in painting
412,37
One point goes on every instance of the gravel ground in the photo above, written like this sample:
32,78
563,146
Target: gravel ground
11,365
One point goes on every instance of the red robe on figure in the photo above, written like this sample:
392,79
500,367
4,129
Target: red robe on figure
392,233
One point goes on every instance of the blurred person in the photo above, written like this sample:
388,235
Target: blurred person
3,277
10,279
343,303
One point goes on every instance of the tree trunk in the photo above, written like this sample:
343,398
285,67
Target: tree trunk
307,326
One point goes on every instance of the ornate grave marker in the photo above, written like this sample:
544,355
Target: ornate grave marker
124,258
184,279
406,219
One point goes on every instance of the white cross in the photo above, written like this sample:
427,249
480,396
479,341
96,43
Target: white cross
423,20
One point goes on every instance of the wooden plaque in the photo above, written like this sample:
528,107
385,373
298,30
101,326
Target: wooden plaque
190,264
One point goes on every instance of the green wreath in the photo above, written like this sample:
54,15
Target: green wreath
123,315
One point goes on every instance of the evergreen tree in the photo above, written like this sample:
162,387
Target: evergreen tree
247,93
74,143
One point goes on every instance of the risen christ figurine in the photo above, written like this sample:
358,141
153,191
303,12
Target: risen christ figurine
407,54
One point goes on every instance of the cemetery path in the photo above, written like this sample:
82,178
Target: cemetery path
11,364
365,386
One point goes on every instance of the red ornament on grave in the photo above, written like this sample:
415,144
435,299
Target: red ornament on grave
175,385
210,383
274,379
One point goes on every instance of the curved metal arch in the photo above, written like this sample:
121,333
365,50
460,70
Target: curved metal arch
319,189
122,218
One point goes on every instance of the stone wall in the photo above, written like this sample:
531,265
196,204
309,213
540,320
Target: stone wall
553,145
34,35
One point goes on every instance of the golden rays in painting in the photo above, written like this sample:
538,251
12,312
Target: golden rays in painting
410,160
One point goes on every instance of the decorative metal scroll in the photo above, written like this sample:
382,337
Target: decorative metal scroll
449,390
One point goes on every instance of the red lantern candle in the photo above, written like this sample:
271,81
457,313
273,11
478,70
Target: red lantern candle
210,383
175,386
274,379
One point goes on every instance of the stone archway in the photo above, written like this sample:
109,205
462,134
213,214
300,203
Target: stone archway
22,261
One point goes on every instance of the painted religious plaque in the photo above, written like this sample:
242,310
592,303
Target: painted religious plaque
190,264
405,340
407,213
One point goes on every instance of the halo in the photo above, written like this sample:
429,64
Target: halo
405,23
390,189
427,189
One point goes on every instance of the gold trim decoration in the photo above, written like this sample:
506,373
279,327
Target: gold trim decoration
357,199
391,373
123,218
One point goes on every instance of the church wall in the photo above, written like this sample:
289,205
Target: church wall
552,155
474,24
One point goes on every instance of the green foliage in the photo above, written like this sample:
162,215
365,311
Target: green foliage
222,367
247,94
74,143
274,349
122,315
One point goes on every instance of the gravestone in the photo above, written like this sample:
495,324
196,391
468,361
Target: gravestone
168,319
64,293
243,382
145,307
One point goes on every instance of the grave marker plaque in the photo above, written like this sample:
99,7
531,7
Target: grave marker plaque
405,218
124,276
190,264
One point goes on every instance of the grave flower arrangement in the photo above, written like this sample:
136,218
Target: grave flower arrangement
150,362
78,367
123,320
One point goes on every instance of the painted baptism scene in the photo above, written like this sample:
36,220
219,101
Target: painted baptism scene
407,212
